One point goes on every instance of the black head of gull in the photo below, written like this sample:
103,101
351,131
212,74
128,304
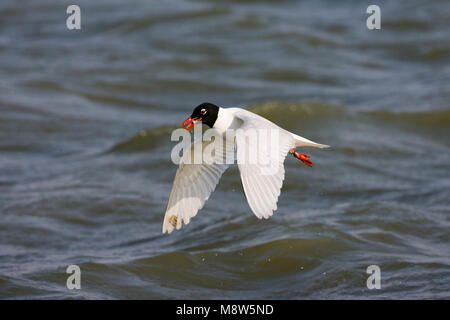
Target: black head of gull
205,112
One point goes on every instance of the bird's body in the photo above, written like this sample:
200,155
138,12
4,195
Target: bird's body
227,120
262,183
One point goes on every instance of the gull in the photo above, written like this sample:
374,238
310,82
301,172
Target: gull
194,182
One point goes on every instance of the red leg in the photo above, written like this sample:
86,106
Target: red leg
302,157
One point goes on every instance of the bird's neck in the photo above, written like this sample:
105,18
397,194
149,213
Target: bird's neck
225,119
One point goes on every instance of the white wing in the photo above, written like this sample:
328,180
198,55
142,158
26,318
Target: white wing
262,182
192,186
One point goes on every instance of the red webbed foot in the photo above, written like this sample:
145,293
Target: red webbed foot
302,157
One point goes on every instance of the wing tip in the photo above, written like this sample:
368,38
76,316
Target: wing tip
173,222
167,228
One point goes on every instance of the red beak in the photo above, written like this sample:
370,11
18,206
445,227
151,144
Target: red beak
190,122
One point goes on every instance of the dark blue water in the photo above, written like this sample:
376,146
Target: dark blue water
85,169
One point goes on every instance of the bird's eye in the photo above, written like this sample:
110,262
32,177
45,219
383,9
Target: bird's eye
203,111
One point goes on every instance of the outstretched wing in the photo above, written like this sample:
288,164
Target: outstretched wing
193,184
262,180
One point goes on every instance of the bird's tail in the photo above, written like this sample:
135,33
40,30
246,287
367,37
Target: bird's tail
303,142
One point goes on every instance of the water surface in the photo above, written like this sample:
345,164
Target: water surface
85,169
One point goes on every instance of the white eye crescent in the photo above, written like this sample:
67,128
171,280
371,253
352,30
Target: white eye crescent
203,111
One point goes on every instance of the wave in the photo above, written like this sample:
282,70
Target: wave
424,118
281,112
147,21
284,110
280,254
286,75
143,141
